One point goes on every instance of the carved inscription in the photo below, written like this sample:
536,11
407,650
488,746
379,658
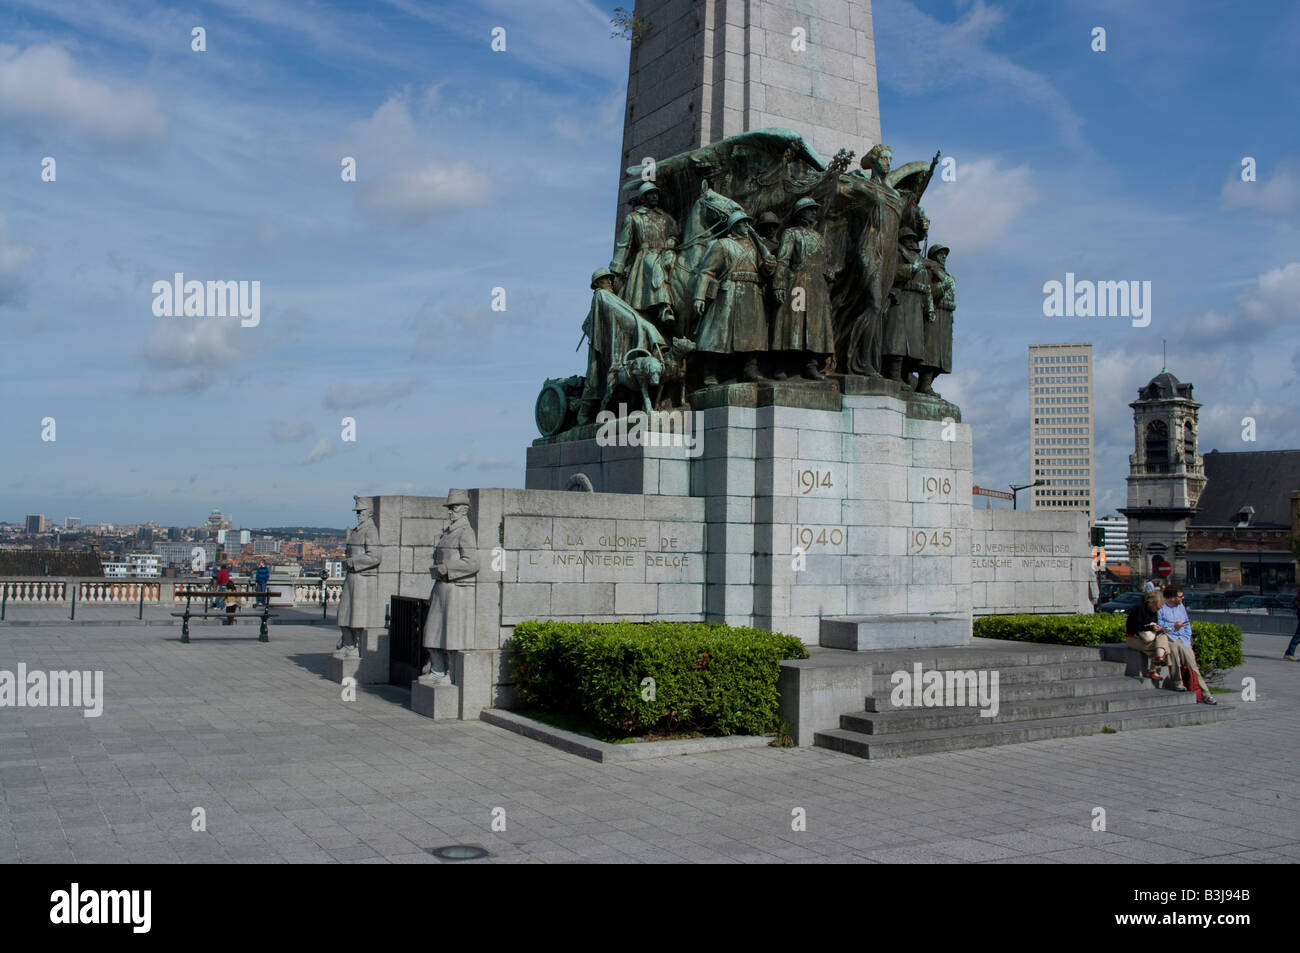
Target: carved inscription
1026,555
567,554
929,541
813,539
809,478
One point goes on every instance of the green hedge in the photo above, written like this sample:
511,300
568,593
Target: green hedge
1217,647
711,678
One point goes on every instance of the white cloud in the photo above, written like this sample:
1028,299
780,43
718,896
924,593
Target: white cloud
17,260
343,395
931,56
1279,194
401,176
42,89
1273,304
977,209
414,195
320,451
291,431
194,342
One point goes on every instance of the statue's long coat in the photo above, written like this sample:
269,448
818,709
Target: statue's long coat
359,601
450,623
638,253
938,333
802,255
736,318
906,319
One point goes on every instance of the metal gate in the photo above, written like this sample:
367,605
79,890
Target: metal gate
405,635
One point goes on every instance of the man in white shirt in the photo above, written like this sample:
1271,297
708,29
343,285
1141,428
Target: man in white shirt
1174,620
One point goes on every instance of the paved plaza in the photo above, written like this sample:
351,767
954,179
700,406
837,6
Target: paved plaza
285,770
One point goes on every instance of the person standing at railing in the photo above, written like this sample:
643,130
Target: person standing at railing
223,582
262,576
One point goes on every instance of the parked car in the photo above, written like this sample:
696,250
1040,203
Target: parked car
1121,603
1284,600
1205,600
1251,602
1110,590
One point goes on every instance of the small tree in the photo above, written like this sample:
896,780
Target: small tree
629,26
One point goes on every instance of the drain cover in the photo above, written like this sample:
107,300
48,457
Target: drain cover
459,852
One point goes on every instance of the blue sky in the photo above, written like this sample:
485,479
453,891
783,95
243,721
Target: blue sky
479,169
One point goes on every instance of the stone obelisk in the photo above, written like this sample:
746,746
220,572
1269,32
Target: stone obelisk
701,70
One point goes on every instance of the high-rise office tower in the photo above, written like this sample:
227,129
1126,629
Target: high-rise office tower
1060,426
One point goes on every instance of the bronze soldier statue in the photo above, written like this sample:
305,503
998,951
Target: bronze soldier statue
728,299
904,328
769,229
802,326
938,332
639,260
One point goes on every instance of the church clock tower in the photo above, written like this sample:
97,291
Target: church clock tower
1165,477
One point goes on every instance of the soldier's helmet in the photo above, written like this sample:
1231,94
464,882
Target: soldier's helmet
937,250
598,274
646,189
736,217
768,221
457,498
804,203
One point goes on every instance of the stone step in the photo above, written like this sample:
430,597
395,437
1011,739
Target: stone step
1013,674
1045,689
907,743
980,653
1032,709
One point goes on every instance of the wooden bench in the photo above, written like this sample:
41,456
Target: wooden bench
263,633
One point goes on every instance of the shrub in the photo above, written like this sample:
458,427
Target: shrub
1217,647
711,678
1052,629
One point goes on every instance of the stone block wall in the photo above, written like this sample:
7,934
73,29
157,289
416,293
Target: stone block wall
1034,561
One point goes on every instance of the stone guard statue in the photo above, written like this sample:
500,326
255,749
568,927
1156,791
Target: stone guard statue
361,586
449,627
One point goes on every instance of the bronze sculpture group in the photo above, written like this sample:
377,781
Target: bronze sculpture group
751,259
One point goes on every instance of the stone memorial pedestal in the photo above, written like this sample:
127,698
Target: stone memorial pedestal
437,700
337,669
864,633
823,500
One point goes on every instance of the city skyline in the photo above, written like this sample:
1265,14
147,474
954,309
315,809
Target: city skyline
375,295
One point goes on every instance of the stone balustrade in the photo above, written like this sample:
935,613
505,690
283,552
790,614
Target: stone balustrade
49,590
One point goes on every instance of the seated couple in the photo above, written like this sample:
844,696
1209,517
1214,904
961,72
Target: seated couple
1158,627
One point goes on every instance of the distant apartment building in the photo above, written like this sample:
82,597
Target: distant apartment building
71,522
266,547
1060,426
1115,538
175,554
134,566
245,537
37,524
